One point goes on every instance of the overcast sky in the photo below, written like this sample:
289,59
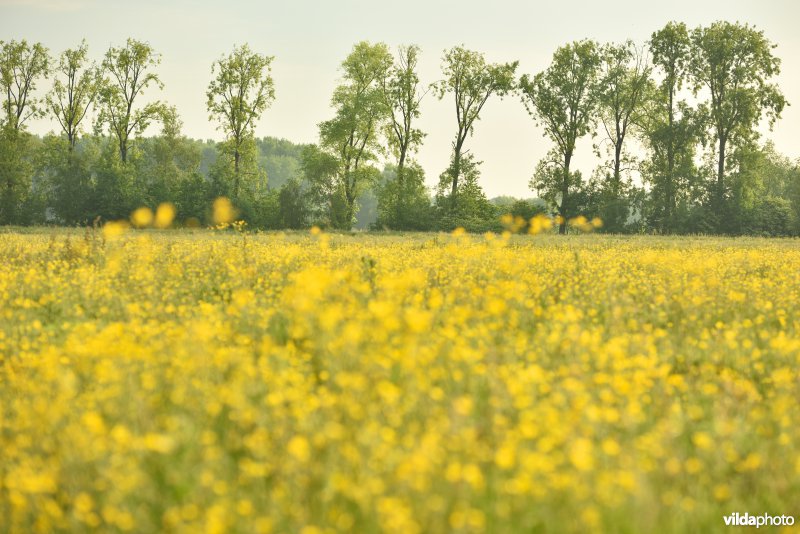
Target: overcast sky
309,39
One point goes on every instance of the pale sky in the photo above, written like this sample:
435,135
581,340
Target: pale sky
309,39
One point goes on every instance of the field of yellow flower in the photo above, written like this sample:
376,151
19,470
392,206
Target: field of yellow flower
219,381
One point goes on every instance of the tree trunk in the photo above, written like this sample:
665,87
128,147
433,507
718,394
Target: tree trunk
123,151
456,174
401,164
617,164
562,228
236,158
669,200
720,192
669,193
401,193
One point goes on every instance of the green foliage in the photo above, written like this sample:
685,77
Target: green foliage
402,199
351,136
242,88
670,130
280,159
402,96
563,100
128,72
21,67
473,211
740,186
261,211
15,174
472,81
66,175
294,205
549,182
166,161
770,216
406,204
519,208
625,77
118,190
74,90
321,171
250,178
734,63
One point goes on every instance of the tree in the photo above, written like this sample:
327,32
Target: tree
406,204
237,96
352,134
734,63
116,190
70,98
624,81
473,211
550,183
403,96
472,81
761,191
563,100
322,170
67,177
293,201
669,127
128,70
21,67
167,160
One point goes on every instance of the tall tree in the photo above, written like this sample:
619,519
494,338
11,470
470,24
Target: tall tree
242,88
472,81
625,74
129,73
21,67
403,95
563,100
352,135
669,126
734,63
73,91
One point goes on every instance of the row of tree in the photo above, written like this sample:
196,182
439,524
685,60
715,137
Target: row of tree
727,68
679,116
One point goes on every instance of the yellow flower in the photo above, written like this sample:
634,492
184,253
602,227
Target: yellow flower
581,454
505,457
702,440
223,211
299,448
142,217
114,229
165,213
160,443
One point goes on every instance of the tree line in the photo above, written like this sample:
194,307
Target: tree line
674,125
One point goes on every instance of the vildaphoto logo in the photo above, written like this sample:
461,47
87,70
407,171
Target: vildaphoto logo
747,520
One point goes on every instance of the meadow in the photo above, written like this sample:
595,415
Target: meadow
223,381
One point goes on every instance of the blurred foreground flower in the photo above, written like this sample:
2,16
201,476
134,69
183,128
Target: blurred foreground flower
165,213
223,211
142,217
583,224
114,229
513,223
539,223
